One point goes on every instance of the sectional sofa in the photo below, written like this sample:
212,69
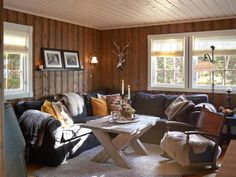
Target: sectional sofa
60,144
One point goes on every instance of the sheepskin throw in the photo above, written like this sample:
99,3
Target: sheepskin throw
73,102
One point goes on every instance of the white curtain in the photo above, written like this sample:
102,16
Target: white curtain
16,41
224,45
167,47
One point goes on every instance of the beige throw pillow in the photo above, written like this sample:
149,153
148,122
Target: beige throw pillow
63,114
176,106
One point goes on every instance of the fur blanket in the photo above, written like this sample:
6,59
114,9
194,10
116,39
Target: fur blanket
174,143
73,102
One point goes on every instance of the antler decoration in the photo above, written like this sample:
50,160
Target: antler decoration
121,52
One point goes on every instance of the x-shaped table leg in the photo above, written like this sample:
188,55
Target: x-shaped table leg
113,147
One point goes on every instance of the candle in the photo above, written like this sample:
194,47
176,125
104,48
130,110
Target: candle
41,67
128,92
123,87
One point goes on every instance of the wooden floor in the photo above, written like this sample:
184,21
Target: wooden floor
32,167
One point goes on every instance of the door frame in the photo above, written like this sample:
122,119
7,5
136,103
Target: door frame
2,159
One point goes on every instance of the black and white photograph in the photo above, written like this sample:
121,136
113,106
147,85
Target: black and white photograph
52,58
71,59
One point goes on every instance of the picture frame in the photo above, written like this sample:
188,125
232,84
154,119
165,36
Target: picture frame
52,58
71,59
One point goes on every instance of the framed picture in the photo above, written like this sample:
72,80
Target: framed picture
71,59
52,58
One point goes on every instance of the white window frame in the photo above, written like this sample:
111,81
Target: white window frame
189,75
27,90
165,87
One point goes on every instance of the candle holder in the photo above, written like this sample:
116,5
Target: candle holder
228,98
127,110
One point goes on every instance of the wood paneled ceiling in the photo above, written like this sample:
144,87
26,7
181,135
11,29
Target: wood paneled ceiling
109,14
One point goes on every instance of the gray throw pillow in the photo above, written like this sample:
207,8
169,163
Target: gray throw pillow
176,106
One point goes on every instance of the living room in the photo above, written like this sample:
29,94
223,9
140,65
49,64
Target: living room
100,29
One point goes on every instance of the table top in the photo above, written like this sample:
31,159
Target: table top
231,120
142,122
228,165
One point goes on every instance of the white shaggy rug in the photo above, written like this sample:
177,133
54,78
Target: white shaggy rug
151,165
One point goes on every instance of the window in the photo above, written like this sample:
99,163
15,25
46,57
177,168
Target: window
17,61
167,62
225,60
172,58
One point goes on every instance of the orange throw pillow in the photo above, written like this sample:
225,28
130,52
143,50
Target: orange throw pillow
48,108
99,106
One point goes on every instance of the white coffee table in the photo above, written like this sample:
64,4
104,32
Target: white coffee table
128,134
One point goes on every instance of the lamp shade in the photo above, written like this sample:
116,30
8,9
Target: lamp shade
204,66
94,60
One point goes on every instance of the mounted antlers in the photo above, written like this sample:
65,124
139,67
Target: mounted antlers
121,52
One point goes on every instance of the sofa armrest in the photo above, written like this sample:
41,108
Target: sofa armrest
39,128
197,110
53,133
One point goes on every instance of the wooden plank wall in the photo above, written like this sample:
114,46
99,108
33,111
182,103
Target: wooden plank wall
2,159
50,33
135,71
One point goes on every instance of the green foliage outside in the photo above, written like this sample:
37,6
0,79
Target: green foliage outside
225,73
169,70
12,71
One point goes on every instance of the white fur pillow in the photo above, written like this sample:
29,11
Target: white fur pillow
73,102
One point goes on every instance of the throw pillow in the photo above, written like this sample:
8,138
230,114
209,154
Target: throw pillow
73,102
114,102
105,96
175,107
48,108
87,99
63,114
99,107
184,114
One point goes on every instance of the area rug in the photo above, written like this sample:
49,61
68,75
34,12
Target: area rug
151,165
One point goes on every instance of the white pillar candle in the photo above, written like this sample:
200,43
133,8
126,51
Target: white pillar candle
123,87
41,67
129,92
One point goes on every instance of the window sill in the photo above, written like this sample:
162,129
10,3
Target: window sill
18,95
197,90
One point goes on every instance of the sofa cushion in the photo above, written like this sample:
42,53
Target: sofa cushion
149,104
175,107
99,107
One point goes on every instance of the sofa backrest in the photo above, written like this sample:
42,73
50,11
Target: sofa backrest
155,104
195,98
149,104
22,106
